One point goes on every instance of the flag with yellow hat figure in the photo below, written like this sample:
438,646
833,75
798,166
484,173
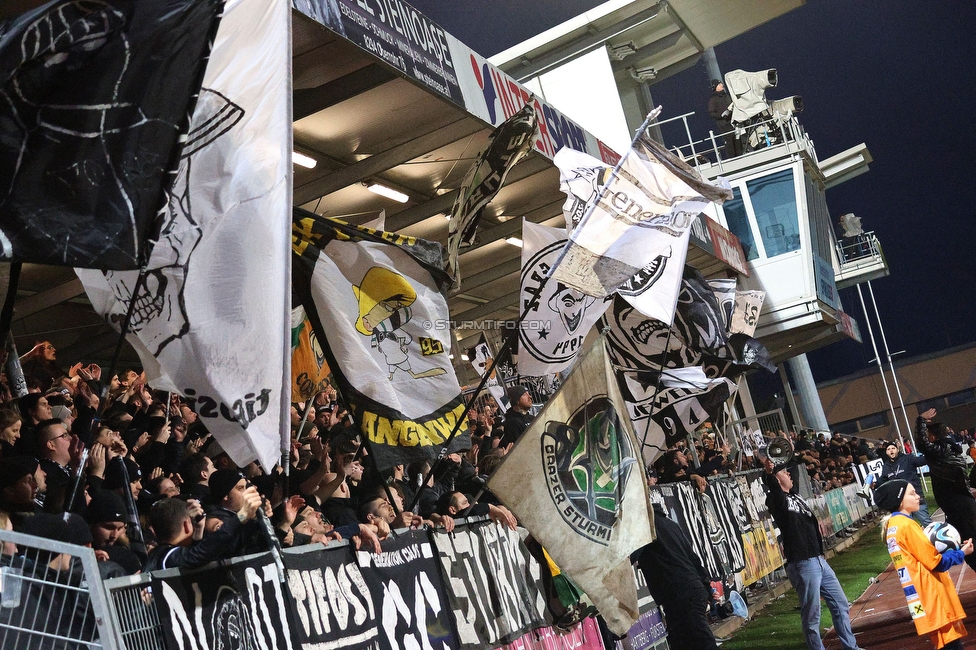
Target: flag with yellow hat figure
376,302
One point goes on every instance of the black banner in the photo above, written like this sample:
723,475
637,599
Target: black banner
396,33
96,96
239,606
332,605
494,590
411,600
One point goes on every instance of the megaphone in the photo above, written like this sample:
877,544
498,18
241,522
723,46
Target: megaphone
779,450
739,607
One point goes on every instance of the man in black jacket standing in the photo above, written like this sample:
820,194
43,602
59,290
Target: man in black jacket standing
179,527
677,580
720,109
950,483
897,465
806,566
517,419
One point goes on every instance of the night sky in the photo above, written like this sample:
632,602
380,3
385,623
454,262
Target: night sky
897,75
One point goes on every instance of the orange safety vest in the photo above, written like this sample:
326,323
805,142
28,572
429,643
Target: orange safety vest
932,599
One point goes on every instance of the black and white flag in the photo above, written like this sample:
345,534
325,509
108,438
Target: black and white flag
481,358
645,209
94,98
376,303
509,143
745,315
654,288
212,321
559,316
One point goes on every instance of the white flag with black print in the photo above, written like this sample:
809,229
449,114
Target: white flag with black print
644,210
212,321
552,332
481,358
653,290
745,315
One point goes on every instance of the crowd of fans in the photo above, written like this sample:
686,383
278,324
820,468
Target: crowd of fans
141,480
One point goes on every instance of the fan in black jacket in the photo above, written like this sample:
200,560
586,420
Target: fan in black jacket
806,566
950,484
677,580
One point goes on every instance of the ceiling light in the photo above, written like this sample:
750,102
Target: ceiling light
388,192
302,160
451,357
514,241
464,357
505,217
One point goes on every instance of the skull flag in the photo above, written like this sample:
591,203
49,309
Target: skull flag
376,303
212,320
559,317
94,99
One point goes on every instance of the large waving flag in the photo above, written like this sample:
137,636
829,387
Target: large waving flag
654,288
509,143
212,321
94,100
376,301
576,482
701,363
644,212
559,316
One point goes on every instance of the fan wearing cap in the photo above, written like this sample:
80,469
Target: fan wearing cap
106,519
229,491
517,419
18,488
932,598
806,566
897,465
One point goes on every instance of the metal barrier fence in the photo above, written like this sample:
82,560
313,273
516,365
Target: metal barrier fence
52,596
133,613
749,434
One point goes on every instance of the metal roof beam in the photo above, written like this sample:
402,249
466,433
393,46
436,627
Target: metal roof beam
579,46
357,172
48,298
443,203
308,101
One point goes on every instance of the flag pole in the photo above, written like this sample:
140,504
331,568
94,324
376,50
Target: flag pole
638,134
7,314
531,304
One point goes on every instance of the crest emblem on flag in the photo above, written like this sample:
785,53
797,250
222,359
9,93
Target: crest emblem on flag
588,465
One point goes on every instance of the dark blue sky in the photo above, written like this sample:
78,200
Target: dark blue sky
897,75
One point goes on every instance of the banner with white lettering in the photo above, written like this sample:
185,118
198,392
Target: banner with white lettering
240,606
405,580
331,604
396,33
494,584
696,513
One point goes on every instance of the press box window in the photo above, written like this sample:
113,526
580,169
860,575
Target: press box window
738,220
773,200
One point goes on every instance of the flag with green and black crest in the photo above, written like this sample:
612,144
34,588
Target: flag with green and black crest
376,302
